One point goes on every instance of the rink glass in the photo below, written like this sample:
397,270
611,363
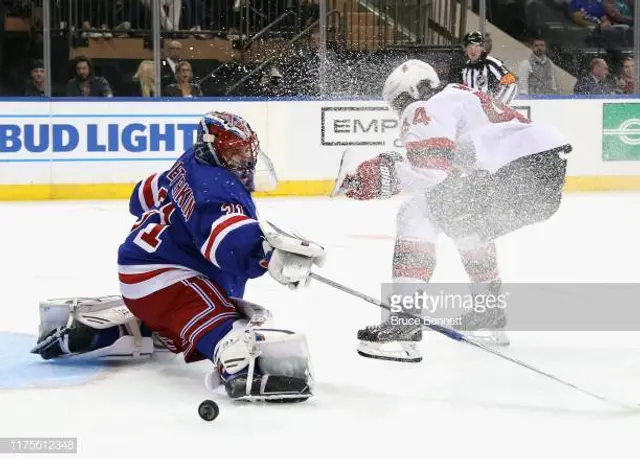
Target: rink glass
312,48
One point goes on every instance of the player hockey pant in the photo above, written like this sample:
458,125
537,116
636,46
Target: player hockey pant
524,192
189,316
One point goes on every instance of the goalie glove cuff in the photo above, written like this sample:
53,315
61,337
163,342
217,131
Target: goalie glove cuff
291,257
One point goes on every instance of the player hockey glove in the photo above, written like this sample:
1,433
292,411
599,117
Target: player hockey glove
375,178
292,256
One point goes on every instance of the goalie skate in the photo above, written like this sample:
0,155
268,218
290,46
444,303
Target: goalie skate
390,342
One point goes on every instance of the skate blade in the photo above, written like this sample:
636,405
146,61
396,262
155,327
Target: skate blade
398,351
279,398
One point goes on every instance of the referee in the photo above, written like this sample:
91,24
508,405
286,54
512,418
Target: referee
486,73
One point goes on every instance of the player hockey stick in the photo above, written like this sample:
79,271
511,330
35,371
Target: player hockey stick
457,336
345,183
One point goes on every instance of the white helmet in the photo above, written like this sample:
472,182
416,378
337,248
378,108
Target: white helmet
405,79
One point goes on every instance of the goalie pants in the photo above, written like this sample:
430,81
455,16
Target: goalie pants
185,313
522,193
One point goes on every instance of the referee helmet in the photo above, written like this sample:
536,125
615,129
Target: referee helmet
473,38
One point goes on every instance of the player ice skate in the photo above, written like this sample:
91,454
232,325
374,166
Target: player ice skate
183,269
477,170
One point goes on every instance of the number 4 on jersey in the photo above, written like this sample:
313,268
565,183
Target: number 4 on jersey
420,117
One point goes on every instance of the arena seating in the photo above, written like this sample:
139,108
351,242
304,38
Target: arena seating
247,39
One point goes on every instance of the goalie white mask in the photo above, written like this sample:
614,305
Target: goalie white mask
265,178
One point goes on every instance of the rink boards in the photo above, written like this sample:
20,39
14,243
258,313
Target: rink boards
98,149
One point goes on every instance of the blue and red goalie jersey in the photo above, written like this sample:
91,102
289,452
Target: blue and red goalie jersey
194,219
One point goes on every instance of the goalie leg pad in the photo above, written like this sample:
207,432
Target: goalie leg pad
264,364
90,328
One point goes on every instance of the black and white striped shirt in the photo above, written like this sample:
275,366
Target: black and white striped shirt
490,76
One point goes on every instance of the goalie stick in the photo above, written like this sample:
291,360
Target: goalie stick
457,336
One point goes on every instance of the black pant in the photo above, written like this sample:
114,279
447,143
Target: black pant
524,192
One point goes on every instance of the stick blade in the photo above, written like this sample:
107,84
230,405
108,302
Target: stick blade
338,186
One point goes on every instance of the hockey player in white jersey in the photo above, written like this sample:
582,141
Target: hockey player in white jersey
477,170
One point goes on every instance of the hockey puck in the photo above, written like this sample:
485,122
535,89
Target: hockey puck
208,410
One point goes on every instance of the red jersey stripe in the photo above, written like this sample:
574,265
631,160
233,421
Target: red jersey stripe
217,228
433,162
141,277
147,191
430,144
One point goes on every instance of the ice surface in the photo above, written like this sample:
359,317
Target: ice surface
458,402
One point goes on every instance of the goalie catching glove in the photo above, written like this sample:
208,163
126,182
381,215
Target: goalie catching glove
375,178
291,256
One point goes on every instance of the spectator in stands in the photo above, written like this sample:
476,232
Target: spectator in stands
144,80
170,11
230,72
589,13
593,15
537,74
183,86
168,65
309,12
272,83
619,11
35,84
85,83
88,31
624,83
594,81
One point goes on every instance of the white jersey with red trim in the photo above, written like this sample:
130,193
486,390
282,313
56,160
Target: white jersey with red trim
464,126
194,219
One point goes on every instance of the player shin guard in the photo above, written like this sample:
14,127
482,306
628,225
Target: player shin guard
413,261
486,321
480,261
396,338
